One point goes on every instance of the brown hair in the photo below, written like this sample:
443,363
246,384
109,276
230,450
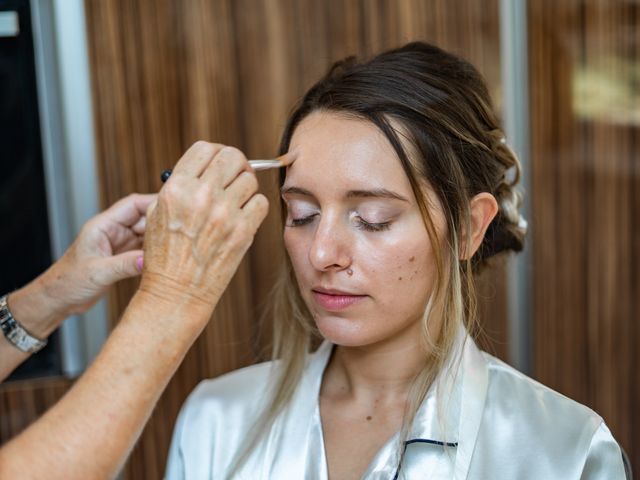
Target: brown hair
435,110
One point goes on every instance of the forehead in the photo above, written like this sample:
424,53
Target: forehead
336,152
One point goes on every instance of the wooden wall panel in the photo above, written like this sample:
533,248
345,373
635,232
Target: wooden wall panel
22,402
584,57
167,73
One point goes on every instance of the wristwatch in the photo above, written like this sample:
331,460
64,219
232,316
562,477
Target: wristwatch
15,332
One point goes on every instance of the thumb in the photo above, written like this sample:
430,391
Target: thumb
124,265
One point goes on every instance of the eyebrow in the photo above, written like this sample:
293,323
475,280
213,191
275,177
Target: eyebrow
375,193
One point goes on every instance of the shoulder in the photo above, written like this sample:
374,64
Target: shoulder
545,433
215,420
220,415
243,389
530,401
226,408
540,400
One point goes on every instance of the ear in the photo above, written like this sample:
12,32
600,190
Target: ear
483,209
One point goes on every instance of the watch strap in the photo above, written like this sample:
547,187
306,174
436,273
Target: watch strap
15,332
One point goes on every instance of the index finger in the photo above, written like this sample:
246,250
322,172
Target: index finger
196,159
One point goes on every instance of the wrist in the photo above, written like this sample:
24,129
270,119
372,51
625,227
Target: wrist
16,333
178,320
171,293
38,311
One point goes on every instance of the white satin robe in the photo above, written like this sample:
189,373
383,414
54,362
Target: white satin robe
496,423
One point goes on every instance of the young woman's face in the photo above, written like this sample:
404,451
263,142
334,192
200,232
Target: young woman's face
359,247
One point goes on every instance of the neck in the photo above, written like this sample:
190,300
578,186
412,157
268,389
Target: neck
382,371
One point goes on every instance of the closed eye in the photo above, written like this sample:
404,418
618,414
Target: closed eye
372,227
298,222
361,223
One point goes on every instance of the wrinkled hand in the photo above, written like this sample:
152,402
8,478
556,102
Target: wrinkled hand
204,221
108,249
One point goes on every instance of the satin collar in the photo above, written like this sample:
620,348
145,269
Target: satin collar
443,419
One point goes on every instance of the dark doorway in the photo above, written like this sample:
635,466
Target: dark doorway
24,242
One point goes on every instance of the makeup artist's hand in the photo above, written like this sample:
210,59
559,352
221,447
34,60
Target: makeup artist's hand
108,249
203,223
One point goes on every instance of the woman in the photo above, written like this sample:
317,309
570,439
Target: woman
401,189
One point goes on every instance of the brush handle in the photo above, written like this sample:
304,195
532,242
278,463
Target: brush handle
257,165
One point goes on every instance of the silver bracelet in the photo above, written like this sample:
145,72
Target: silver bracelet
15,332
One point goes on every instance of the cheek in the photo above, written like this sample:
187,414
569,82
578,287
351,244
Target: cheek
402,269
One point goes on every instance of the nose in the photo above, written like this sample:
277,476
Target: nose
331,246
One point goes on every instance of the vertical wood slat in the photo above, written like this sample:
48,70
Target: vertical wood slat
229,71
586,186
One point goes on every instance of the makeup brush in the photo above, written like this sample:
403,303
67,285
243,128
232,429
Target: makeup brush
279,162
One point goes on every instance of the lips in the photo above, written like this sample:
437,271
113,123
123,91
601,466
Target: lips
335,300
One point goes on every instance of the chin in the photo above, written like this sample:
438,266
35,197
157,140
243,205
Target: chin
365,330
344,331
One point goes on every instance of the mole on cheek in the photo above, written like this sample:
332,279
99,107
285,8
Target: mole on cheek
412,259
399,278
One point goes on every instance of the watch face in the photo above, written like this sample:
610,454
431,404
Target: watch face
25,342
18,338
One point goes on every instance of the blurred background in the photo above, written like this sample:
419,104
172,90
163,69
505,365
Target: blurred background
98,97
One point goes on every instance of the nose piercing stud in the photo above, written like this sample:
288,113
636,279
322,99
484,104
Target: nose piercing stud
349,272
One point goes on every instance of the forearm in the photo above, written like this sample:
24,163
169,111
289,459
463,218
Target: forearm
38,310
90,432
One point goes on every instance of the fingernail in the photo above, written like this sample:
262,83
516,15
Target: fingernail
139,263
